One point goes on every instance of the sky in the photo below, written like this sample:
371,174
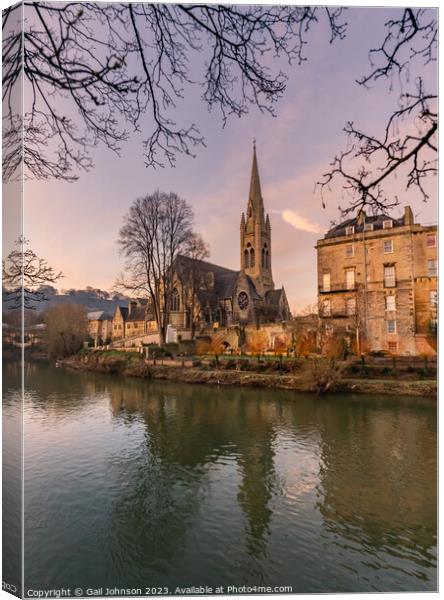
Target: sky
75,225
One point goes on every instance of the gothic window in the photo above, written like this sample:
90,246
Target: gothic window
175,301
247,260
265,256
252,257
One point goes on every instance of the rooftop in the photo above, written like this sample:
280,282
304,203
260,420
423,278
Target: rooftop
363,222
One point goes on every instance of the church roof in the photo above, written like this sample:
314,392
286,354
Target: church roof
224,287
225,284
223,281
273,296
185,262
253,291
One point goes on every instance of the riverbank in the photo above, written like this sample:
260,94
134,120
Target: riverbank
134,366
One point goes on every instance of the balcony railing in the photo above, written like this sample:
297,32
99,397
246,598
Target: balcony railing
338,287
336,314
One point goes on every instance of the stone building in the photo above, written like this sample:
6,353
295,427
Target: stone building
134,320
208,296
99,326
377,283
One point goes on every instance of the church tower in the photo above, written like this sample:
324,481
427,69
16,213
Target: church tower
255,236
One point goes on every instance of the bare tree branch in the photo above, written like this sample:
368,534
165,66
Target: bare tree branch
25,276
96,72
408,143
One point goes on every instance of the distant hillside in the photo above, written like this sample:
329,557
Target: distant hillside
91,298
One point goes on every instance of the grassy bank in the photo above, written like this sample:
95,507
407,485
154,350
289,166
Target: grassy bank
300,379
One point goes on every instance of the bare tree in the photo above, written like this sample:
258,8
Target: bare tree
407,145
325,374
156,230
66,329
195,278
25,276
93,71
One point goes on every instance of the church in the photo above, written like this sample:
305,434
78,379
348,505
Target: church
207,296
225,297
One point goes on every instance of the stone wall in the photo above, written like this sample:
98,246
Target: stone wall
274,335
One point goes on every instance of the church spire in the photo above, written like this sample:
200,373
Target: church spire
255,196
255,236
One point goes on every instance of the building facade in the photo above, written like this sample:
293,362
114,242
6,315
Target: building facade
377,283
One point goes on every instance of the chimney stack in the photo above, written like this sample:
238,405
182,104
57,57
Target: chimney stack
131,306
408,216
361,217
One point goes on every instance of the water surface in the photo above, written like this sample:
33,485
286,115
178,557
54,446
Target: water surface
131,483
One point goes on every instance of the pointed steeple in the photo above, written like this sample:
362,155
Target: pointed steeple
255,196
255,236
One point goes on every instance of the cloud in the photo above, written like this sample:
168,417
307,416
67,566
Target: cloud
301,223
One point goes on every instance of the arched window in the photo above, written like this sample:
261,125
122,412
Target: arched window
218,316
265,256
252,257
175,301
246,255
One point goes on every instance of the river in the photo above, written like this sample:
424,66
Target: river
135,484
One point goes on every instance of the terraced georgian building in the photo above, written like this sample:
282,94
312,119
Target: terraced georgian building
377,283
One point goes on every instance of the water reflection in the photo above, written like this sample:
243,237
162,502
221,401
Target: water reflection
185,436
377,487
181,485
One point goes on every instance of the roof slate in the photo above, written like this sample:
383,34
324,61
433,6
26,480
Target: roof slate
183,263
376,220
273,296
99,315
123,311
137,313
